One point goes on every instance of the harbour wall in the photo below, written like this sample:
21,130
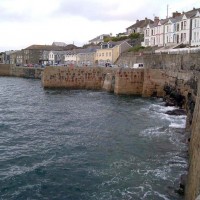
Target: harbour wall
193,182
25,72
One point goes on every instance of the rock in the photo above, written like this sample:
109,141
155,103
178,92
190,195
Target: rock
176,112
183,180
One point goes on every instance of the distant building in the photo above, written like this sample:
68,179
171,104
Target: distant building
60,44
139,26
86,57
99,39
110,52
39,54
2,57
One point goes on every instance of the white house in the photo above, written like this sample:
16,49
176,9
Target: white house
195,41
160,30
183,29
170,32
51,58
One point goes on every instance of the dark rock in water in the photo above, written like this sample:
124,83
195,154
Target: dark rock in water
173,96
182,184
176,112
168,103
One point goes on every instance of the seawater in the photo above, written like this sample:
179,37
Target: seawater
78,144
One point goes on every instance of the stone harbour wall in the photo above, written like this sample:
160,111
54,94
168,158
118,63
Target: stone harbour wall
129,81
25,72
75,78
5,69
193,182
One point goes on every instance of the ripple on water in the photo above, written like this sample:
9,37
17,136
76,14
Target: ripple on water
61,144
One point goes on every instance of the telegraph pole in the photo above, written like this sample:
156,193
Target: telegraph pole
167,10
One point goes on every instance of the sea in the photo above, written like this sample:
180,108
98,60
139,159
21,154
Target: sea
87,145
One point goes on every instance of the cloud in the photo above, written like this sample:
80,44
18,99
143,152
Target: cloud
107,10
43,21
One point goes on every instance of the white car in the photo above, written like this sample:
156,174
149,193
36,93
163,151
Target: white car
138,65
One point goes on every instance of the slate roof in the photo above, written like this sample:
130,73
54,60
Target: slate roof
44,47
61,44
141,23
98,37
51,47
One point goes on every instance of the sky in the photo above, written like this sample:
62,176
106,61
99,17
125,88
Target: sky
27,22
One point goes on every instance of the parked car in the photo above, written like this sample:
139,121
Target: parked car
115,66
30,65
138,65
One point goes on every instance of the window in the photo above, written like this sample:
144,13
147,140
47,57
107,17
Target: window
195,36
106,53
181,37
181,25
177,27
109,53
184,37
102,54
184,26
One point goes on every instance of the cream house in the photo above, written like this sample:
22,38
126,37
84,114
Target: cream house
110,52
70,57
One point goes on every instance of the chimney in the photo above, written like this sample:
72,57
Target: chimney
137,20
146,19
194,8
176,14
156,19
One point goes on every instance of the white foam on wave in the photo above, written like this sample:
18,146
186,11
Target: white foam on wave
153,132
174,125
161,108
176,121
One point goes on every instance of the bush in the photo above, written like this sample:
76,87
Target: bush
134,35
136,48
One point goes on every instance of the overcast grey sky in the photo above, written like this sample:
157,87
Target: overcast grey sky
27,22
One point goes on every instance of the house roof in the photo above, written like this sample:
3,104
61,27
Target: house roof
45,47
141,23
113,44
90,49
98,37
192,12
51,47
61,44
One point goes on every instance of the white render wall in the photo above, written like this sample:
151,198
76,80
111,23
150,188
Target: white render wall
195,41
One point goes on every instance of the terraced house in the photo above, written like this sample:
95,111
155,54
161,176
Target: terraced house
195,41
181,28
